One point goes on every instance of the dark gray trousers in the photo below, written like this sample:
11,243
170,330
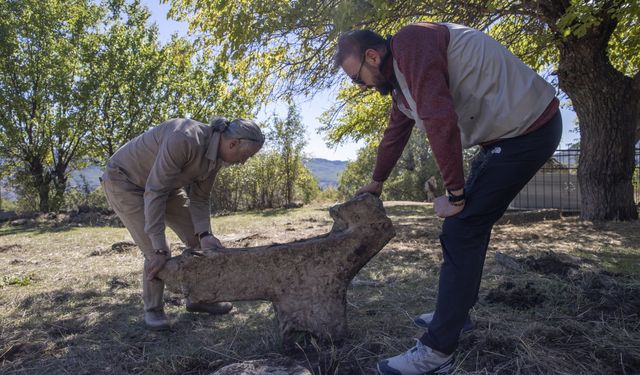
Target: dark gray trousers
497,175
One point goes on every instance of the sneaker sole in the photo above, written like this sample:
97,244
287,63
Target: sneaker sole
383,369
443,369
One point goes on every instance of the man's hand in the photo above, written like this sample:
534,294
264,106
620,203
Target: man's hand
154,263
373,187
210,242
444,208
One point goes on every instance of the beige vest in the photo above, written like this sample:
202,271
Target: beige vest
495,94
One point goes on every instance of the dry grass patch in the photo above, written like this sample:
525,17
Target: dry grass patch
66,307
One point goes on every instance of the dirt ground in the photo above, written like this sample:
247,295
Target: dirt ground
568,302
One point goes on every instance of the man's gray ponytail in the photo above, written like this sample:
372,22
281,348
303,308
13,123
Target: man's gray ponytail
240,128
219,124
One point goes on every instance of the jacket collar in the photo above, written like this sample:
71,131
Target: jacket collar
386,67
212,150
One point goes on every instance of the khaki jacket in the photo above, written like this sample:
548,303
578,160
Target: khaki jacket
179,153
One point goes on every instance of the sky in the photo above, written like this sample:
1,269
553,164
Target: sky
312,108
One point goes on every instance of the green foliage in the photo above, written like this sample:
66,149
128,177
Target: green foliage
306,185
408,178
624,45
287,138
83,196
357,173
15,280
356,116
79,79
288,45
258,184
127,69
154,82
406,181
44,87
196,85
329,194
21,182
284,46
275,177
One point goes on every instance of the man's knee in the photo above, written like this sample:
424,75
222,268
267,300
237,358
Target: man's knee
465,227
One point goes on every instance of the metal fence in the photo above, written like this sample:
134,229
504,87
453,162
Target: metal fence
556,184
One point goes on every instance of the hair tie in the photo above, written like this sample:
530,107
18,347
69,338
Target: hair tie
219,124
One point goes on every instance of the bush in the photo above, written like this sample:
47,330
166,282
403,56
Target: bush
329,195
260,184
408,177
79,199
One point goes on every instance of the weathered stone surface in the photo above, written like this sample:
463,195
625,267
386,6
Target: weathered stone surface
306,280
19,222
263,367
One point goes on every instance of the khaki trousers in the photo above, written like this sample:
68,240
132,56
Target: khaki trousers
126,199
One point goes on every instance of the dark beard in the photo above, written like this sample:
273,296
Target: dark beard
384,88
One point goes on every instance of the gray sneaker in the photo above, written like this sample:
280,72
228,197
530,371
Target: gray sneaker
156,320
419,360
423,321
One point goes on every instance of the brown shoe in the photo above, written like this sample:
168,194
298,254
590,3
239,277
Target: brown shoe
156,320
217,308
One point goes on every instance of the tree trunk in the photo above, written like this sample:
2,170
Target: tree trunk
43,193
60,185
607,104
41,181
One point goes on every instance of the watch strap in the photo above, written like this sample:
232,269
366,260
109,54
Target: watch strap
202,235
455,198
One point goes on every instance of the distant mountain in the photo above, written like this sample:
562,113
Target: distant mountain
326,171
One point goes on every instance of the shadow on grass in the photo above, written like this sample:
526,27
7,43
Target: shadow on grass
68,331
614,261
100,329
7,230
409,210
574,330
627,232
273,212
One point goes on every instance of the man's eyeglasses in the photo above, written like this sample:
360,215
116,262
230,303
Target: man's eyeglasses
357,80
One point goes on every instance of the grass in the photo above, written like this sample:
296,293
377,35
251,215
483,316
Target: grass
15,280
65,311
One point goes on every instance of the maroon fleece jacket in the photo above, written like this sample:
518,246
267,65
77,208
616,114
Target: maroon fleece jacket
420,50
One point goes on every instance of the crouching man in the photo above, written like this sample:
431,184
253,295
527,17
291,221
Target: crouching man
163,178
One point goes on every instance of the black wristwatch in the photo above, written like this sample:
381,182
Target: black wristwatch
161,252
455,200
202,235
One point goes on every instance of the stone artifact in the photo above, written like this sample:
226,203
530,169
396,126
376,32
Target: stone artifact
264,367
306,280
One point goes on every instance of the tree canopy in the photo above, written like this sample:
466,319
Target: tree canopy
591,46
287,46
79,79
